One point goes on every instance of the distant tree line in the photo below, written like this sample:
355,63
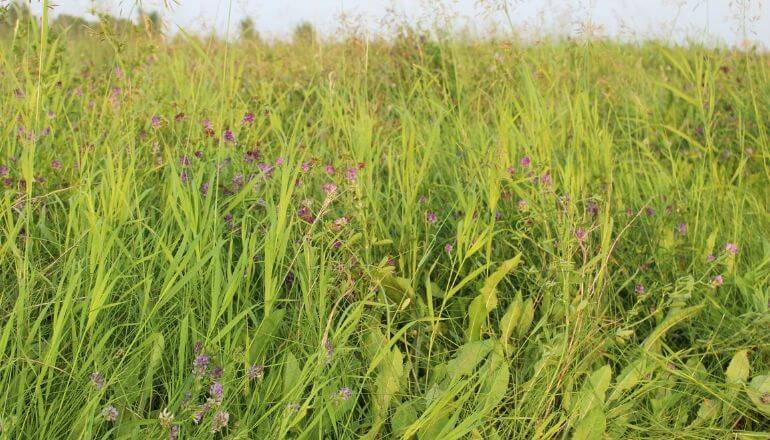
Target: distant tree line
18,12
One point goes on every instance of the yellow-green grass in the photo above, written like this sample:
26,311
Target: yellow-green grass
561,240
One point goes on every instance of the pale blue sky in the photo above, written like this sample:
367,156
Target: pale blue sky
703,20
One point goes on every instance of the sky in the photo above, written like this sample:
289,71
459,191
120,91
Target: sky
708,21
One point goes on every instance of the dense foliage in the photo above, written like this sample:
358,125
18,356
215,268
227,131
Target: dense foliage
422,238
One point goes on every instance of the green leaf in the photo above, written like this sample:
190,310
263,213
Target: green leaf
496,386
593,392
708,411
265,333
389,380
759,393
291,374
477,314
468,356
489,290
396,288
527,315
738,370
403,417
591,427
510,320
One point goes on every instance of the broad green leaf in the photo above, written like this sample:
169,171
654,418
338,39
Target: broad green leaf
405,415
527,315
266,332
738,370
591,427
396,288
708,411
468,356
759,393
510,320
388,380
291,374
489,290
477,315
496,386
593,392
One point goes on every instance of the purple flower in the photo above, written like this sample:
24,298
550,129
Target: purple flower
305,214
525,161
592,209
238,180
337,244
329,170
265,168
710,258
155,121
717,281
97,380
305,167
173,433
649,211
351,174
184,161
681,228
56,164
430,217
448,248
110,413
200,365
184,177
639,289
523,205
220,421
731,248
251,156
198,416
546,180
229,136
248,118
344,393
216,373
279,161
207,124
329,188
216,392
205,189
255,372
340,223
329,349
580,233
3,170
511,169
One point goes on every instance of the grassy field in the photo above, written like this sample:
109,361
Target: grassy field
430,238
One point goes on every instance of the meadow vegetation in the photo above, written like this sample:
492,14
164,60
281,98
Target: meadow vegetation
426,237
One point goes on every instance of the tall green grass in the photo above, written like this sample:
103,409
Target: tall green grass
521,241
